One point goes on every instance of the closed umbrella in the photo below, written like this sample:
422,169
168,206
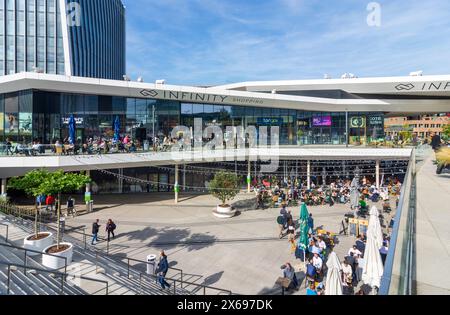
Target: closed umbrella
117,129
303,240
333,285
72,128
375,227
373,268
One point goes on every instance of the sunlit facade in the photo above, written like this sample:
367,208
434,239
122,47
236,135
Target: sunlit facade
72,37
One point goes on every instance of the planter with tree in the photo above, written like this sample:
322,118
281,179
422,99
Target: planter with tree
56,184
31,185
224,186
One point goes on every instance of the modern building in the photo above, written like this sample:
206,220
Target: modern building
35,106
68,37
422,126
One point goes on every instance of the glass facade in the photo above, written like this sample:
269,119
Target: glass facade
43,116
31,36
97,44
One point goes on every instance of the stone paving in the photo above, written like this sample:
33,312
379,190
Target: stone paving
432,231
242,254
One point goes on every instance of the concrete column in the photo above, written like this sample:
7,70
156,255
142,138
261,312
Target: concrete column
184,177
176,186
4,185
88,186
347,136
377,173
120,180
308,175
249,176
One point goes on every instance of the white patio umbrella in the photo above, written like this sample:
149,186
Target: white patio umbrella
373,268
375,227
333,285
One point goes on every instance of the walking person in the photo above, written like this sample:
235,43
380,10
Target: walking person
50,202
70,206
282,220
95,229
436,142
110,227
163,267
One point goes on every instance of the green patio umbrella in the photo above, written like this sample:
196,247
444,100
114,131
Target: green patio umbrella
303,240
304,215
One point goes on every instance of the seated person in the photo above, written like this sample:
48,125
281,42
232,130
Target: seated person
355,251
322,245
317,263
311,270
289,273
360,244
311,290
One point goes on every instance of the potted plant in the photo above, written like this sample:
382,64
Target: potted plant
31,185
56,184
443,160
224,186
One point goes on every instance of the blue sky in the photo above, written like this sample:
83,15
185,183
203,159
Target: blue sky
224,41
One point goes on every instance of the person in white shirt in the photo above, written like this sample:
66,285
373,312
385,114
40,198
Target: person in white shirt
355,251
317,262
322,244
347,273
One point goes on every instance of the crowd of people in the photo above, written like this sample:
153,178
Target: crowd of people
322,243
337,192
91,145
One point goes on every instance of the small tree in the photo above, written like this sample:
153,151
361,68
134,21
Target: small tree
60,182
224,186
446,132
31,185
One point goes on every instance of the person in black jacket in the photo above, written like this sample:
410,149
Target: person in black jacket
110,227
436,142
360,245
163,267
95,229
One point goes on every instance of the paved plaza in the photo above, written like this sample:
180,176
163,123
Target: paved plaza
432,231
242,254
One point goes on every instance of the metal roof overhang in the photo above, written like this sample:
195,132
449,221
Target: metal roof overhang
58,83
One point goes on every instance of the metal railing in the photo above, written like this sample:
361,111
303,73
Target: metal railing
26,256
185,283
7,231
399,268
150,263
99,252
63,275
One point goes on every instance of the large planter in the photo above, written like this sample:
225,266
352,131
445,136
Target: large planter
53,262
38,245
224,212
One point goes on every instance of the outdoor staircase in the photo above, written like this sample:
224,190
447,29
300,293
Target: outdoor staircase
85,262
32,282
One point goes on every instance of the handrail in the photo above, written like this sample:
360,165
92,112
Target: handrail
190,283
36,252
63,276
97,251
404,205
148,263
7,231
